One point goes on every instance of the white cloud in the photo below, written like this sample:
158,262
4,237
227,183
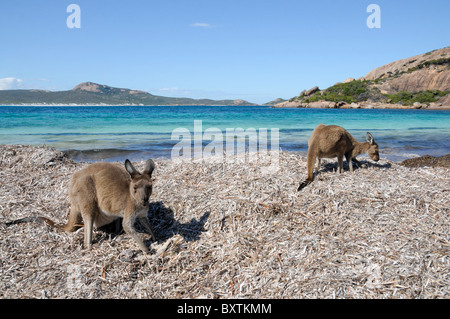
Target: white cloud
201,25
10,84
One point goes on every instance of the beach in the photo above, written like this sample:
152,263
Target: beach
233,230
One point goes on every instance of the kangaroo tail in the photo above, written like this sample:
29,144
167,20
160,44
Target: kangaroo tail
34,219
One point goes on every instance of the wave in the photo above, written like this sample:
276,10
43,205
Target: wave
96,154
424,128
92,134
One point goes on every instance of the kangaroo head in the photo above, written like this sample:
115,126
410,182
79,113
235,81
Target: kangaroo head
141,184
373,148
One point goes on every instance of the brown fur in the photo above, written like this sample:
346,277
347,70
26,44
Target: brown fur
334,141
103,192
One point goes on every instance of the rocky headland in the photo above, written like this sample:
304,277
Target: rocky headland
418,82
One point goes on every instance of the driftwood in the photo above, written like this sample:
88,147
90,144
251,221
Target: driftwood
233,231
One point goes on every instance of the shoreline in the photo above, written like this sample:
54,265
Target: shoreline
350,235
416,161
118,155
360,105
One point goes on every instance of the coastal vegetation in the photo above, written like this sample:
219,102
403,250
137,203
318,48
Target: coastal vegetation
355,91
363,90
409,98
443,61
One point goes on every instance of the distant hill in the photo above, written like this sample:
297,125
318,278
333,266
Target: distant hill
89,93
421,81
274,102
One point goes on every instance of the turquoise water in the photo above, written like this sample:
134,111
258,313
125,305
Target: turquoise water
113,133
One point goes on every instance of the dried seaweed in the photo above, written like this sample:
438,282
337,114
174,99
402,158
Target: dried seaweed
233,230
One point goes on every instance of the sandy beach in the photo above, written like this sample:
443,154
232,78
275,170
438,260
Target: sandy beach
233,231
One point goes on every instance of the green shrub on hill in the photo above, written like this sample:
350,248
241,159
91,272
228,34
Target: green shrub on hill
443,61
360,91
409,98
355,91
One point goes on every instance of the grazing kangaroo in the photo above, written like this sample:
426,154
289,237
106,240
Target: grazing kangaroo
103,192
334,141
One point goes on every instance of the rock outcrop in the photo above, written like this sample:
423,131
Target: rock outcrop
88,87
311,91
445,100
429,71
421,80
404,65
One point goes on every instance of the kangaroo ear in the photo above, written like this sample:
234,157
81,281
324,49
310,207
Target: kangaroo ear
370,138
149,167
130,168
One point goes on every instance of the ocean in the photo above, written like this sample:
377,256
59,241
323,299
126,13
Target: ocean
113,133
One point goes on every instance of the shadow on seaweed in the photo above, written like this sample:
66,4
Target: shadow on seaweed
165,226
333,166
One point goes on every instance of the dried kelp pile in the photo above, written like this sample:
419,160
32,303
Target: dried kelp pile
234,229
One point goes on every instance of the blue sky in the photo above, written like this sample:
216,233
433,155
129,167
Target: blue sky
256,50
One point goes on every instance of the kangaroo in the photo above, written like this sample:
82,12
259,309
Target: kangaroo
334,141
103,192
